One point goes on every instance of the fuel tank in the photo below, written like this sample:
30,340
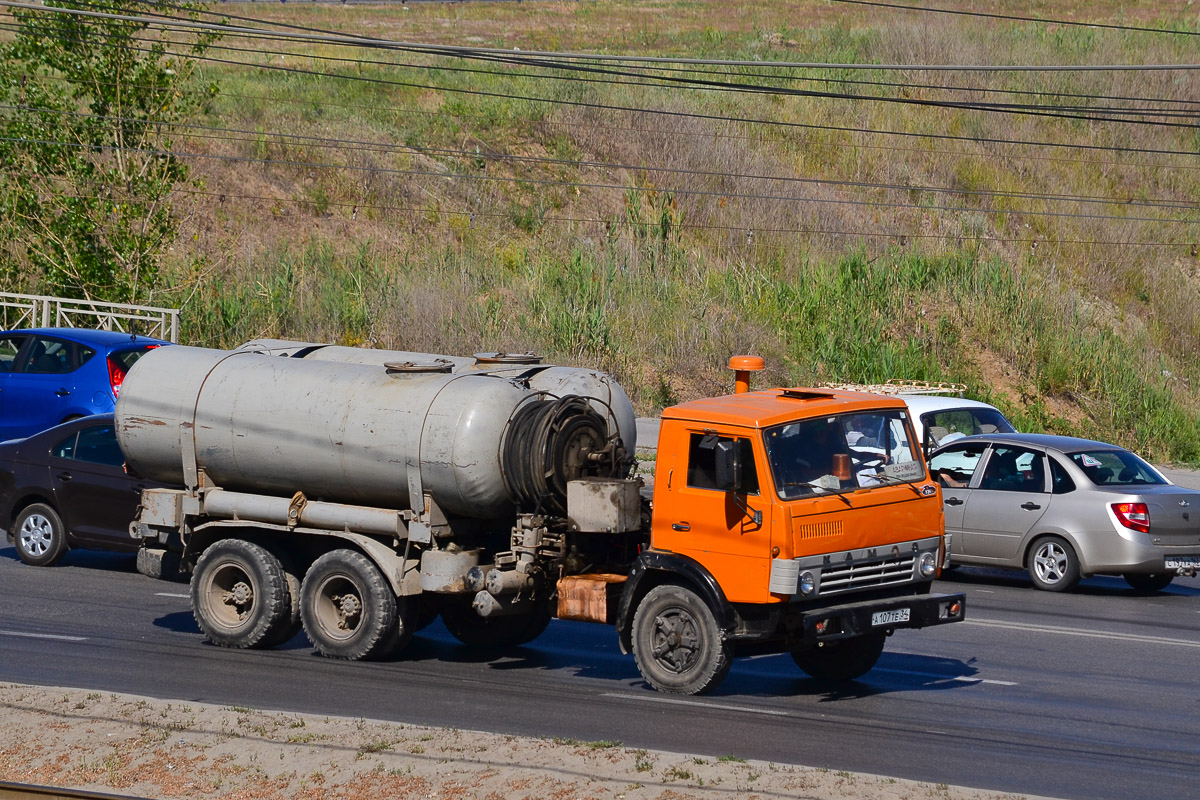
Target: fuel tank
484,444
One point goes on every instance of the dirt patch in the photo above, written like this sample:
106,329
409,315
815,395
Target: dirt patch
139,746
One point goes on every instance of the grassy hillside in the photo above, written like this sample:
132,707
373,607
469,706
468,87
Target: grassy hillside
411,231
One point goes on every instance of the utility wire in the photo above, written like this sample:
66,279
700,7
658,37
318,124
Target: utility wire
1015,18
365,41
674,114
588,185
749,232
247,136
1106,114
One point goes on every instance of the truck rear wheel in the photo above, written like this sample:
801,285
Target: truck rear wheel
240,595
348,609
677,643
510,630
843,659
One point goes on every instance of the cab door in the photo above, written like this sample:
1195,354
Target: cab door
717,528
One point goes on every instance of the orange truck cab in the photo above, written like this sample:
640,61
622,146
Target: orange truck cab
784,520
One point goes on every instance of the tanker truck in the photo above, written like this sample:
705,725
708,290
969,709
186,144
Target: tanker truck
358,495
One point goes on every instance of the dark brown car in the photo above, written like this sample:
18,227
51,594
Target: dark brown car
67,487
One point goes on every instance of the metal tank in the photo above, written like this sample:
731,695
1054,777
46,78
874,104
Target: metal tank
610,400
481,444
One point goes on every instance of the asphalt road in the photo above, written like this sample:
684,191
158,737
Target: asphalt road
1086,695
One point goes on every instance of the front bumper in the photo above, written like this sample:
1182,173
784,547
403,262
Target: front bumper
857,619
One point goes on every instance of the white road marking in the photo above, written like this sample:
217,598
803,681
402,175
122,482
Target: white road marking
55,636
171,594
697,703
963,678
1127,637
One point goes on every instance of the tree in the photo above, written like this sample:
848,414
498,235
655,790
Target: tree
88,107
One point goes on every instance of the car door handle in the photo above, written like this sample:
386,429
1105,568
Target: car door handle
63,392
953,501
681,526
1030,506
64,476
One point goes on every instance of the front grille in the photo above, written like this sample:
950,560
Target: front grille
868,573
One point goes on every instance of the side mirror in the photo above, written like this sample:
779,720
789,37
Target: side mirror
729,466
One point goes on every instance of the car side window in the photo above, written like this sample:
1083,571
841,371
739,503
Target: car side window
955,466
702,462
49,357
9,347
65,448
1014,469
1060,480
98,445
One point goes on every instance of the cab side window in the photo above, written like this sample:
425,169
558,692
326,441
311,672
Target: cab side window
702,462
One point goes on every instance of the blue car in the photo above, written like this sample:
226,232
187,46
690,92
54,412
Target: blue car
51,375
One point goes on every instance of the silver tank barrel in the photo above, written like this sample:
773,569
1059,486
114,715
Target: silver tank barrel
341,432
610,399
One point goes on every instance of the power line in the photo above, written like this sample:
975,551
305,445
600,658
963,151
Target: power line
748,231
1014,18
344,144
736,136
592,185
679,114
453,50
1116,115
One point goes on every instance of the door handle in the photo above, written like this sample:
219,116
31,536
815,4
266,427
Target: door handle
1030,505
953,501
681,526
64,476
63,392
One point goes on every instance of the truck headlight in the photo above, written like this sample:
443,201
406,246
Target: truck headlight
808,584
928,565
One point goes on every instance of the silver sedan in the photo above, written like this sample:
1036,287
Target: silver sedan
1065,509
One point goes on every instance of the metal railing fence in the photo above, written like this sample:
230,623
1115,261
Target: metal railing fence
43,311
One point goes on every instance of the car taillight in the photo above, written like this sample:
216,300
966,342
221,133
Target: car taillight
116,375
1135,516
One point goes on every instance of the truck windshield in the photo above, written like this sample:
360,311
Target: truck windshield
842,453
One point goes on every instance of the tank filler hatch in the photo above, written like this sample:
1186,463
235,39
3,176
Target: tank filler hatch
552,442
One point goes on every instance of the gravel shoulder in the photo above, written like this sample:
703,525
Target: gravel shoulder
144,747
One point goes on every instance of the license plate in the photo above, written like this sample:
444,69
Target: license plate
890,617
1176,562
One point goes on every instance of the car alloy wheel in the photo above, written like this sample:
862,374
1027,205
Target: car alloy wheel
37,535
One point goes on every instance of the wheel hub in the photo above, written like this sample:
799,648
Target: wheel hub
676,640
240,596
349,607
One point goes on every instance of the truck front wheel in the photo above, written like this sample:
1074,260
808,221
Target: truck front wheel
348,609
843,659
240,595
676,642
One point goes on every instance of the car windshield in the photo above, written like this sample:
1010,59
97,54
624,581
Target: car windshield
943,427
1116,468
842,453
